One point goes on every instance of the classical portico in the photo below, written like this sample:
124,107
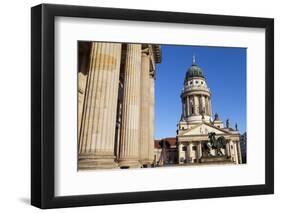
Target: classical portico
191,146
116,104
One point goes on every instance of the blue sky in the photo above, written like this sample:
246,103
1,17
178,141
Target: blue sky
225,72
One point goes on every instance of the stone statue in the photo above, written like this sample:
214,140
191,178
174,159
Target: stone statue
227,123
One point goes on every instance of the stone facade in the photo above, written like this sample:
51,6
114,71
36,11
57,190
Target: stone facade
196,124
116,105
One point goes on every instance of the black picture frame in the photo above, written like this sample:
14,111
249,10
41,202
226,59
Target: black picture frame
43,102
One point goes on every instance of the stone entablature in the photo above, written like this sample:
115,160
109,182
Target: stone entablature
196,88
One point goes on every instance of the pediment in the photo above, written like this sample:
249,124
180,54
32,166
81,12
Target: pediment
204,129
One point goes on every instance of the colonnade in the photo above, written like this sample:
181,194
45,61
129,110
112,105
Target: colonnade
100,144
196,104
191,152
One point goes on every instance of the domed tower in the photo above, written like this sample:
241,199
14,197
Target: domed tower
196,98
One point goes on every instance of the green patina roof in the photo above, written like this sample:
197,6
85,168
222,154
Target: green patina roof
194,70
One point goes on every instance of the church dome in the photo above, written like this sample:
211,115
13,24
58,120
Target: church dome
194,71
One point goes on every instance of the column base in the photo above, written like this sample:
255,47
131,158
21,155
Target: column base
129,163
96,161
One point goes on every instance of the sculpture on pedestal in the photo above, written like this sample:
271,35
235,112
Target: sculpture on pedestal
216,144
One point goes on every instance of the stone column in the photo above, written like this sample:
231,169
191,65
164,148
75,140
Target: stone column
96,141
227,149
190,154
235,152
231,150
144,110
207,106
180,153
199,104
239,152
191,104
187,106
198,152
203,107
184,107
151,117
196,105
210,106
129,143
200,149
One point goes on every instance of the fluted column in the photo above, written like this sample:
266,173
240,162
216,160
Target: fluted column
199,104
151,118
144,110
210,106
129,143
196,105
207,105
191,105
96,141
187,106
183,108
203,108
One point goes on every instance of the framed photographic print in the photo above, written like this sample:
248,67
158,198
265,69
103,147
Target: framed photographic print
139,106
